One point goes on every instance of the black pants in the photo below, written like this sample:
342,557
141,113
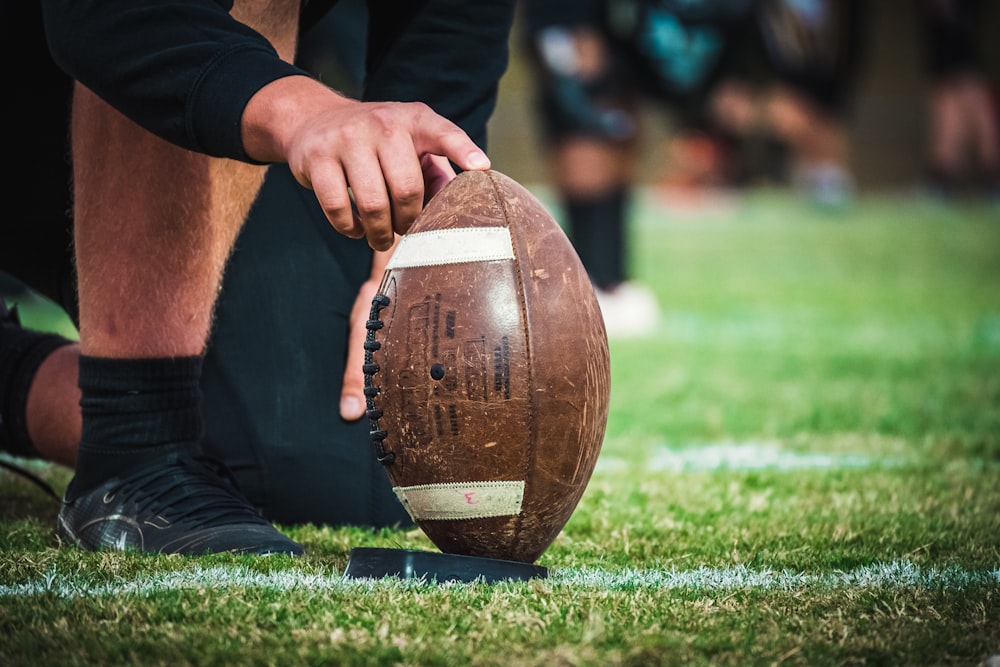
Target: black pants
275,361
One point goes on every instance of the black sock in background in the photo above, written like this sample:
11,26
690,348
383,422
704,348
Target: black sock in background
596,225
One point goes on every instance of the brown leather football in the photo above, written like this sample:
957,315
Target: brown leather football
487,371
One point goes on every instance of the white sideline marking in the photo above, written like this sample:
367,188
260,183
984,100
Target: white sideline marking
737,456
452,246
894,574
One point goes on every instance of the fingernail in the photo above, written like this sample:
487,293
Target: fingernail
478,160
351,406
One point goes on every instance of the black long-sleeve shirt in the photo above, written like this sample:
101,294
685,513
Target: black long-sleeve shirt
185,69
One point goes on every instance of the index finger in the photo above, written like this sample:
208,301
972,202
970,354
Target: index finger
437,135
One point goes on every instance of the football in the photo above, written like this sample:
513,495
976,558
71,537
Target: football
487,371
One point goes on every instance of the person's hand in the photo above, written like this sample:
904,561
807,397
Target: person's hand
377,153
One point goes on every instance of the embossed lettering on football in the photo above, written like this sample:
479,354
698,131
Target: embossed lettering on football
487,371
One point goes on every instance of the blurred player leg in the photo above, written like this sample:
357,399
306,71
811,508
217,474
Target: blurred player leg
590,122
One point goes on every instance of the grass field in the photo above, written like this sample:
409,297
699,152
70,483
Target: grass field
802,466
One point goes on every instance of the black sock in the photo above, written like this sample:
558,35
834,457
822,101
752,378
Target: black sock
21,353
135,411
597,227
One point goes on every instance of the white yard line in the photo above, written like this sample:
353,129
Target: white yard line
895,574
740,456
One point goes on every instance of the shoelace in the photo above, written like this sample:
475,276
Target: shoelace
196,489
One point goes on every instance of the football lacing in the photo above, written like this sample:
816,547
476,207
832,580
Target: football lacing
375,434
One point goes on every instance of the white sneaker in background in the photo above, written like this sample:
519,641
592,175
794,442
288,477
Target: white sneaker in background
826,184
630,310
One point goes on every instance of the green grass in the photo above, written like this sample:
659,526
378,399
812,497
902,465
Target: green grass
860,351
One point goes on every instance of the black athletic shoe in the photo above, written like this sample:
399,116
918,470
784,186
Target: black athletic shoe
180,506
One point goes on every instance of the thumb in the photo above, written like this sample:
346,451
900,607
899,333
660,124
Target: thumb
352,399
352,395
437,174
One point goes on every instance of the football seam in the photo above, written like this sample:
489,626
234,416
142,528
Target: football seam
532,457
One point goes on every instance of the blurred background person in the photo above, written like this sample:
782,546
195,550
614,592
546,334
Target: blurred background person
963,146
595,62
788,95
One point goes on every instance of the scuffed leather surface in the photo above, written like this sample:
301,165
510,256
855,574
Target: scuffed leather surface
495,370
